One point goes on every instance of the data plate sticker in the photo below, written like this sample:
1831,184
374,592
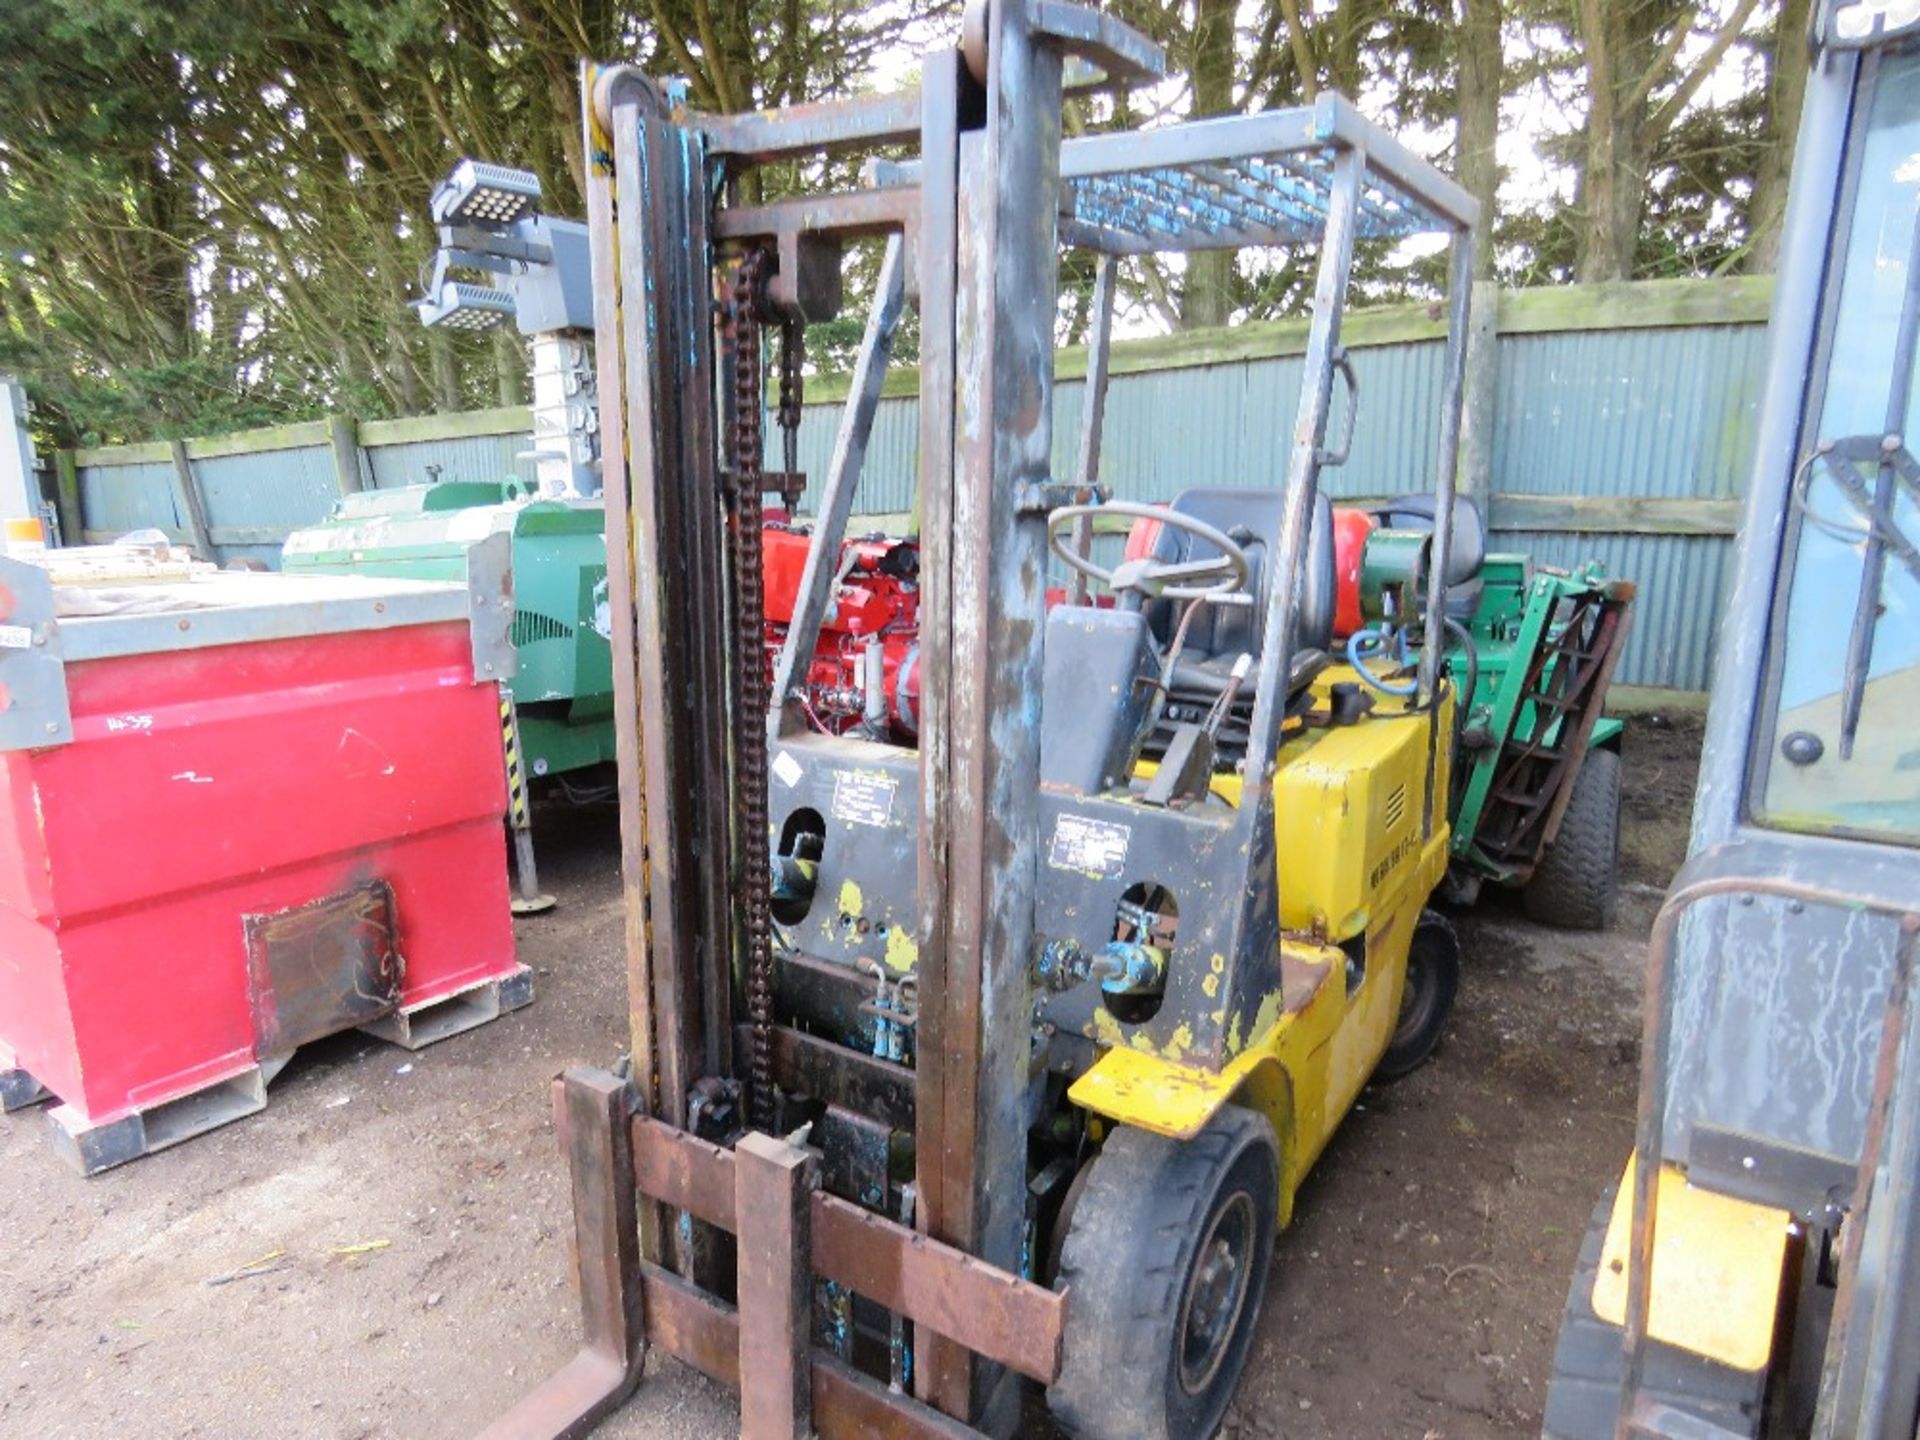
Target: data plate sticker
16,637
864,797
1089,847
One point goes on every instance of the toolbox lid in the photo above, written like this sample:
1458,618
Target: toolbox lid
230,607
77,608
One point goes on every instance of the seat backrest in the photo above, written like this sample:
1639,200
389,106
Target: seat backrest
1415,512
1252,519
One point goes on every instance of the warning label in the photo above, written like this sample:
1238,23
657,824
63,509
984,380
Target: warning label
1089,846
864,797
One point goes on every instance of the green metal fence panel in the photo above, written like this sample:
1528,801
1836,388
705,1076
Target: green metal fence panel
462,457
1666,413
253,500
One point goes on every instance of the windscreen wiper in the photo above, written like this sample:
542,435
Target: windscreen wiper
1891,464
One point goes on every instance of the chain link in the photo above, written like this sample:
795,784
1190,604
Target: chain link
752,686
793,351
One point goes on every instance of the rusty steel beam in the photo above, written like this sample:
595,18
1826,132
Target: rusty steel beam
760,136
679,636
692,1326
591,1113
849,215
944,83
1008,203
773,1187
610,369
683,1170
992,1312
989,1311
866,1084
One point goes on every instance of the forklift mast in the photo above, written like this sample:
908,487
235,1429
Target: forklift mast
1780,1063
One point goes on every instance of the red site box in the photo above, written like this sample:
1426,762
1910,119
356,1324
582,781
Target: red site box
234,827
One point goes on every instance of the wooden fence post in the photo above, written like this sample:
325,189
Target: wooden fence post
1480,391
343,434
66,498
193,505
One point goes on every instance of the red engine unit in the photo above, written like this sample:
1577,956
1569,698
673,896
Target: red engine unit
865,672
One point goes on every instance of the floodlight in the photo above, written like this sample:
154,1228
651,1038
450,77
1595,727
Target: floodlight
478,193
471,308
1858,24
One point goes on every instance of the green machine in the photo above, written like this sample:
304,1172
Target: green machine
1535,795
563,691
1537,779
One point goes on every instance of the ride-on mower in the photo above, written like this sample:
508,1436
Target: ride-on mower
994,1064
1756,1272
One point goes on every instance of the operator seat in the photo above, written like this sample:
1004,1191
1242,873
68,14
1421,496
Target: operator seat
1100,675
1251,518
1469,553
1218,635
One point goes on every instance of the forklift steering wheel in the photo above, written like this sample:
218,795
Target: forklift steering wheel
1149,578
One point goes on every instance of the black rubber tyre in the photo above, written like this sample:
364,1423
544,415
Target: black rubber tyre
1583,1395
1167,1260
1576,882
1426,1003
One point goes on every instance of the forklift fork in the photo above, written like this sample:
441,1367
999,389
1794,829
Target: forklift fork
765,1191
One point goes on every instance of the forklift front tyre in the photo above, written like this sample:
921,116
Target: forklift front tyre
1166,1258
1426,1001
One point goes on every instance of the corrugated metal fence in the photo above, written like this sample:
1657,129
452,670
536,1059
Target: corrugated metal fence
1618,424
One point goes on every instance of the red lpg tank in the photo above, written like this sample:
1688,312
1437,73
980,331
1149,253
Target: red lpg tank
1350,531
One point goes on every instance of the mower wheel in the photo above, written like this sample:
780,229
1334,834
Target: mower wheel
1574,885
1426,1002
1167,1257
1583,1395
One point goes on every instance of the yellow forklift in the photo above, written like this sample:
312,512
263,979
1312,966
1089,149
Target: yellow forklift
1756,1272
985,1070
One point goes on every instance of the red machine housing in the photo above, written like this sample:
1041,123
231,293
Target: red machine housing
873,619
241,848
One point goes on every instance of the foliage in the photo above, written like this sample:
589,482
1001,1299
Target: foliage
212,212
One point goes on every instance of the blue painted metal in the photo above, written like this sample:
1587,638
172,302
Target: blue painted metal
272,489
487,458
117,498
1664,413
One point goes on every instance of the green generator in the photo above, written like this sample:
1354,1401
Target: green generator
563,692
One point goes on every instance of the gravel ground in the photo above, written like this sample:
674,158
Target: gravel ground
421,1213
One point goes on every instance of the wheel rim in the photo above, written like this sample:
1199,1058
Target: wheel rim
1216,1293
1416,996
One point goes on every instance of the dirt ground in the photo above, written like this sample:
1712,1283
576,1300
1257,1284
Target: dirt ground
417,1213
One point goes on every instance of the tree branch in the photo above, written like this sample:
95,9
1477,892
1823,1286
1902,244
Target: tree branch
1662,119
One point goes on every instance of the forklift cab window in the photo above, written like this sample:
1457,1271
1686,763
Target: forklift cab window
1843,752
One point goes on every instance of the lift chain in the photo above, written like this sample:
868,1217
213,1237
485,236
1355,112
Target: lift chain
751,680
793,349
